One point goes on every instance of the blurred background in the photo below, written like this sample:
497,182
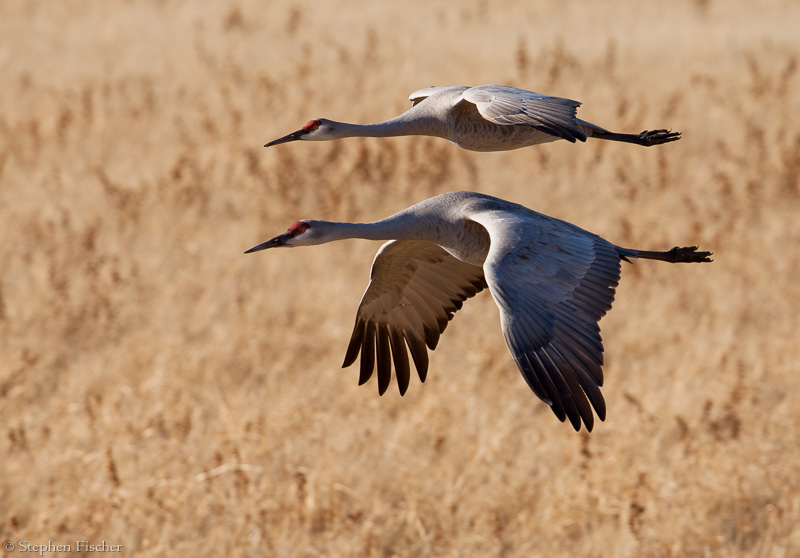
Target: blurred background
162,391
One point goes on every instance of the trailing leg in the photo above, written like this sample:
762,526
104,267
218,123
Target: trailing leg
647,138
685,254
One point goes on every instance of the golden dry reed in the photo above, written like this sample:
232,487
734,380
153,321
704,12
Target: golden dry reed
162,391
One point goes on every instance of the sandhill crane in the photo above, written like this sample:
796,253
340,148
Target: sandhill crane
551,280
483,118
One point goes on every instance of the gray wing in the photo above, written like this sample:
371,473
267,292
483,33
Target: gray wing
422,94
415,289
510,106
553,282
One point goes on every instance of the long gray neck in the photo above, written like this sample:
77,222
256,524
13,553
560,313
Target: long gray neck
464,239
391,228
414,122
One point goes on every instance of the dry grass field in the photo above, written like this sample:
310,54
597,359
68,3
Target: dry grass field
162,391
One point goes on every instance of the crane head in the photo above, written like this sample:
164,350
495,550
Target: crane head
318,129
301,233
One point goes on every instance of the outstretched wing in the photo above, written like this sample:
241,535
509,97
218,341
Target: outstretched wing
415,289
510,106
553,282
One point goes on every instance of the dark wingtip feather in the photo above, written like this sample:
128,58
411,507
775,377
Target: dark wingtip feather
367,354
400,357
431,336
572,377
354,347
561,389
384,358
419,354
537,376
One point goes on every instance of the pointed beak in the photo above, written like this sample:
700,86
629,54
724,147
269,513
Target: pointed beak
290,137
274,243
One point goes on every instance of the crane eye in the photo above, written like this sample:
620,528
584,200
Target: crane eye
311,125
298,228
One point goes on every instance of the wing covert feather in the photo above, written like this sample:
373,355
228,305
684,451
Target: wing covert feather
510,106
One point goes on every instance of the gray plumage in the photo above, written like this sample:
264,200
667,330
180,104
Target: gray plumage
551,280
482,118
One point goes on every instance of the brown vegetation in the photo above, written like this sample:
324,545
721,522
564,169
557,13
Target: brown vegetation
160,390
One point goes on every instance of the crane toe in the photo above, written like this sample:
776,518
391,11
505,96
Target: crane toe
658,137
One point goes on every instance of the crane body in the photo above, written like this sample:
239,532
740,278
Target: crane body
482,118
551,280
